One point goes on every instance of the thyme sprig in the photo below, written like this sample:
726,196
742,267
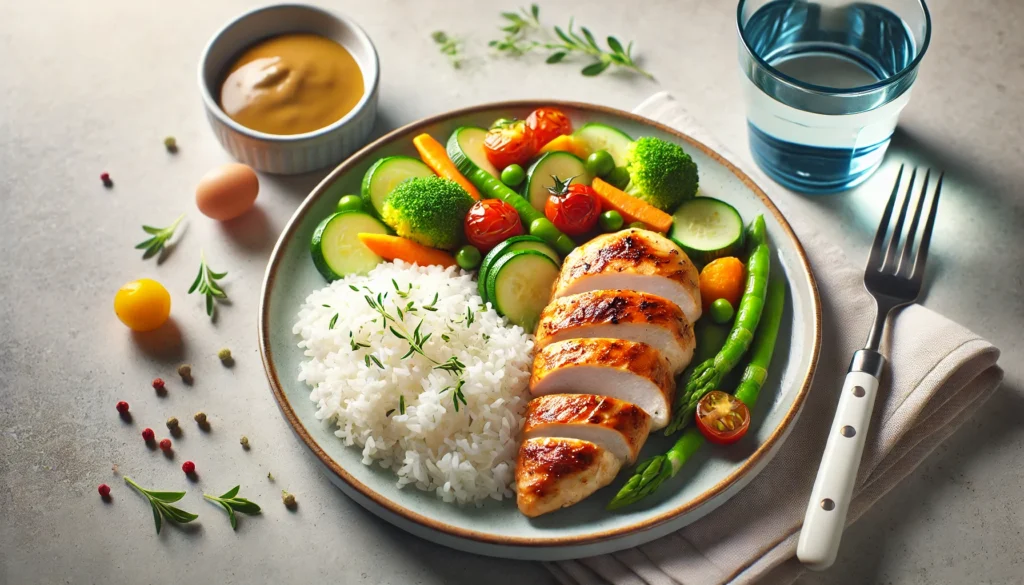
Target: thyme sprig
450,47
232,503
161,504
206,283
159,239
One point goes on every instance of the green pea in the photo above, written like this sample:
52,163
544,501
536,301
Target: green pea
600,163
610,220
467,257
618,177
350,203
543,229
721,311
638,225
513,175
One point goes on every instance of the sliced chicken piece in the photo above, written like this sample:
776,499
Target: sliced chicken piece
617,426
633,259
620,314
556,472
625,370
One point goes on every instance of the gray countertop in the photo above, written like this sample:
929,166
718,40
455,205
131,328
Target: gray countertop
88,87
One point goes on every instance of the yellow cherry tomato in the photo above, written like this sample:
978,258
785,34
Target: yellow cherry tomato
143,305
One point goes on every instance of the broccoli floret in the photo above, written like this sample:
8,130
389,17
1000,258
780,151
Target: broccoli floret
428,210
660,173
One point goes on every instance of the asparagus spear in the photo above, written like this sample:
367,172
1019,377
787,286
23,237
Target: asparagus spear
651,473
707,376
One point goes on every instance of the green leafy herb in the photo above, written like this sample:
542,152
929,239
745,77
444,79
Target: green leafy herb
432,306
206,284
523,34
232,503
161,504
401,404
159,239
334,320
457,395
450,47
355,344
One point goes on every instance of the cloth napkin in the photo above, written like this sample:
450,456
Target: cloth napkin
937,374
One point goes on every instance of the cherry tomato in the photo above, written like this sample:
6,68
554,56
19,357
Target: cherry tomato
490,222
548,124
574,209
721,418
510,143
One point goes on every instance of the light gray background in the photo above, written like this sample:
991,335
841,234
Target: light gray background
87,87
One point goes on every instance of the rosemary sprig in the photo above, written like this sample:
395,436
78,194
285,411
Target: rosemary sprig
230,502
206,284
160,237
450,47
523,27
161,504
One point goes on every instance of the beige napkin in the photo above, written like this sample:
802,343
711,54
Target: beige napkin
940,373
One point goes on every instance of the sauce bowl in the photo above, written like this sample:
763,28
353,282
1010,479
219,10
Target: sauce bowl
294,153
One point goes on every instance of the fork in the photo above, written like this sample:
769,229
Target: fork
894,281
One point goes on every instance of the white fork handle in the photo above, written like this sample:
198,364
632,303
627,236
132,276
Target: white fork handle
833,487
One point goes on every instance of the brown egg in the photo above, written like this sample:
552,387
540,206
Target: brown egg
227,191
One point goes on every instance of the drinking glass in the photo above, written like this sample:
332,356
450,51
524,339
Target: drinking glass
824,85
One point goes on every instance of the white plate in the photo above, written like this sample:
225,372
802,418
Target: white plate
498,529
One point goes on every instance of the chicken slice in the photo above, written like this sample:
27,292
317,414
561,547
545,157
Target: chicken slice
624,370
617,426
556,472
620,314
633,259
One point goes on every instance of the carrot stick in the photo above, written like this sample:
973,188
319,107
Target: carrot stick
396,248
436,157
631,208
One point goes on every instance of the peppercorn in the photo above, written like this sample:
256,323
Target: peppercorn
122,407
288,499
107,182
158,384
171,144
148,434
172,423
185,371
200,417
104,490
244,441
165,445
188,467
224,355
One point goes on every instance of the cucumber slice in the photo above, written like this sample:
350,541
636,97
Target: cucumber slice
706,229
386,174
337,251
560,164
524,242
466,149
599,136
519,284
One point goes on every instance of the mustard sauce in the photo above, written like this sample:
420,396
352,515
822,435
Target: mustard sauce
292,84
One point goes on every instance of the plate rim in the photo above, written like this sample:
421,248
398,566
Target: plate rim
765,448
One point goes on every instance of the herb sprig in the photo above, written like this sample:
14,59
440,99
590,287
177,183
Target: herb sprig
161,504
231,503
206,283
449,47
523,28
159,239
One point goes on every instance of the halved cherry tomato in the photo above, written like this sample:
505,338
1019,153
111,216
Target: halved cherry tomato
548,124
510,143
490,222
573,208
721,418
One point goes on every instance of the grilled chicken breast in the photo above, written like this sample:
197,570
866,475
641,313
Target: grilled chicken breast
633,259
555,472
619,427
625,370
621,314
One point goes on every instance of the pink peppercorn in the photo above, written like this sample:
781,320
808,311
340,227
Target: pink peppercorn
165,444
148,434
107,182
158,384
104,490
188,467
122,407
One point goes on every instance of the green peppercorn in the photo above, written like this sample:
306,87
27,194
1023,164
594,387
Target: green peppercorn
224,354
244,442
200,417
185,371
172,423
171,144
288,499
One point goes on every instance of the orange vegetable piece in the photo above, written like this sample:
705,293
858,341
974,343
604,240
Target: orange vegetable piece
630,208
567,143
722,278
396,248
436,157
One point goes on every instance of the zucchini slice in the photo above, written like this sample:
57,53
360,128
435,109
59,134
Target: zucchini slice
706,229
523,242
336,249
599,136
558,163
466,149
519,286
386,174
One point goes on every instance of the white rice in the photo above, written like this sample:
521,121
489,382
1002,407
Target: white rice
465,456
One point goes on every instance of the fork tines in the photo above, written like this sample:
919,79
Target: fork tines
895,261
